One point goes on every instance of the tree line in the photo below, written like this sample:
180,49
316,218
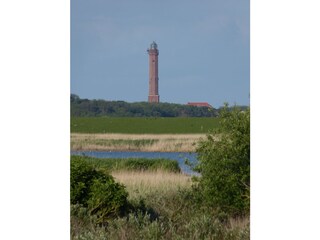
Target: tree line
94,108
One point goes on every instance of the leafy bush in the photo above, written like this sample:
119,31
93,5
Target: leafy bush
96,191
81,177
224,163
107,198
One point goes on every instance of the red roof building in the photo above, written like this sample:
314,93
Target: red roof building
200,104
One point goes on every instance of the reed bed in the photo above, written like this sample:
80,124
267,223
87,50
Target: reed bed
143,183
132,164
239,223
135,142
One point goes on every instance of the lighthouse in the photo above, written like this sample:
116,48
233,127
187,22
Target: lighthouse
153,73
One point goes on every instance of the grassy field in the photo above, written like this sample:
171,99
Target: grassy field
142,125
135,142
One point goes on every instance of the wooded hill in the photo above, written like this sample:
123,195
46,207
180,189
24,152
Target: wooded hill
94,108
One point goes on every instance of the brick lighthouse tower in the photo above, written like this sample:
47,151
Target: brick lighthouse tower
153,73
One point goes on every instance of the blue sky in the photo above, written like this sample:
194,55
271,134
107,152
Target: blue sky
204,49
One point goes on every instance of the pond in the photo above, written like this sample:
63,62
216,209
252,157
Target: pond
179,156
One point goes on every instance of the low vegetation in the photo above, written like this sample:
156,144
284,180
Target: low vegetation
141,184
130,164
135,142
133,125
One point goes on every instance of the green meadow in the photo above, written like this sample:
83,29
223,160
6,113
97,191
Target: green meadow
142,125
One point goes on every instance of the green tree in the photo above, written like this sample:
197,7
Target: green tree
224,163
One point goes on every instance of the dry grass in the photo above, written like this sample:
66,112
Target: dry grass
135,142
239,223
139,184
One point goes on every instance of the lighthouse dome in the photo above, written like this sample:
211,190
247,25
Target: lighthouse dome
153,45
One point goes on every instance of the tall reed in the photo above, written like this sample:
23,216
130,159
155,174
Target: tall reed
135,142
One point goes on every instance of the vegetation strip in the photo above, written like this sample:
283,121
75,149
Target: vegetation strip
134,125
131,164
135,142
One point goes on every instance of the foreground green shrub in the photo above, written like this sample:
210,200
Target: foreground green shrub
224,163
97,191
107,198
81,177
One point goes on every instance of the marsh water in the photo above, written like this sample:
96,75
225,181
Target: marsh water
179,156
